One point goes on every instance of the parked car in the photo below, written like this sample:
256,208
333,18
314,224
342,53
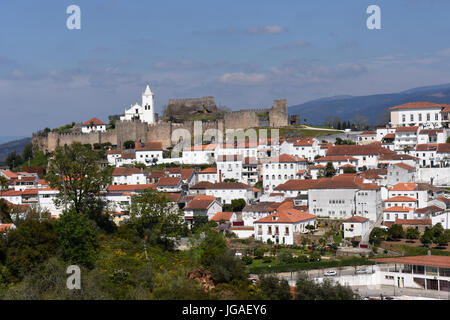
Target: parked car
330,273
363,271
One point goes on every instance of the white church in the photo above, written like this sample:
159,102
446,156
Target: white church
144,112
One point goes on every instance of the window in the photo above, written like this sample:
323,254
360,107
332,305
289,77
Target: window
428,117
420,117
436,116
412,117
403,118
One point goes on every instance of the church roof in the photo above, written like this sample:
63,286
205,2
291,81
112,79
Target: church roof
94,121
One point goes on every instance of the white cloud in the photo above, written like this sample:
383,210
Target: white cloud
242,78
270,29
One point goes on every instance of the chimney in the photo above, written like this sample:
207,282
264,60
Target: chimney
220,175
429,252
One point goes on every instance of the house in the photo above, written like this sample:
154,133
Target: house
393,158
5,227
427,136
250,172
425,114
405,138
281,226
433,155
366,137
201,206
229,217
367,154
169,184
344,196
47,201
297,189
278,170
225,192
229,167
128,176
203,154
93,125
148,153
400,172
337,161
393,213
208,174
256,211
422,192
400,201
355,226
419,224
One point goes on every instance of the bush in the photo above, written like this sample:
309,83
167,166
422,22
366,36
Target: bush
247,260
267,259
302,259
286,257
259,253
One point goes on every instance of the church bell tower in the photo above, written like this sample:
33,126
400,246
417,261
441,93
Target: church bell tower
148,105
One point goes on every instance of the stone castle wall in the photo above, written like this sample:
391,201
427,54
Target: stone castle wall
136,130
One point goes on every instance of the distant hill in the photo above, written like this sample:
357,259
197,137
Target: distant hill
373,107
8,147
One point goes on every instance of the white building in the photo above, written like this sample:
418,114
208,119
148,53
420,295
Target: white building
425,114
229,167
204,154
208,174
422,192
433,155
405,138
144,112
225,192
355,226
169,184
278,170
93,125
367,137
400,172
201,205
128,176
282,226
148,153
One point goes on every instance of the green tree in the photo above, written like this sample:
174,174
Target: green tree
274,288
412,233
437,230
376,236
3,183
129,144
238,205
308,289
442,239
112,124
76,238
396,232
427,237
74,170
330,171
153,217
5,212
27,153
13,160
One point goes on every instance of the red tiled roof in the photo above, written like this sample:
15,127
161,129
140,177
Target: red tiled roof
366,133
389,136
405,166
5,227
356,219
400,199
186,173
407,129
94,121
283,158
202,147
296,185
222,216
168,181
410,186
304,142
429,209
374,148
419,105
229,158
335,158
444,199
287,215
318,166
395,156
199,204
426,147
148,146
126,171
10,174
424,222
209,170
431,132
443,147
432,261
130,187
10,193
345,181
398,209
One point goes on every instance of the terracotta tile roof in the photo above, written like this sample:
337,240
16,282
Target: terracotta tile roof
250,160
288,215
374,173
345,181
398,209
18,207
124,171
128,154
443,147
335,158
356,219
130,187
199,204
348,165
429,209
405,166
395,156
94,121
389,136
431,261
419,105
444,199
5,227
411,186
173,196
306,142
168,182
187,173
366,133
10,193
426,147
296,185
430,132
222,216
428,187
407,129
374,148
203,185
284,158
114,152
401,199
10,174
259,207
209,170
425,222
300,172
221,185
148,146
318,166
29,192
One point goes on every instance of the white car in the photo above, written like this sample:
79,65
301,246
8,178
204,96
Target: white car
363,271
330,273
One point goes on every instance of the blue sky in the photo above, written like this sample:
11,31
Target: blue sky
245,53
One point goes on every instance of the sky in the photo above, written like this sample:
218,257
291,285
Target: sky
244,53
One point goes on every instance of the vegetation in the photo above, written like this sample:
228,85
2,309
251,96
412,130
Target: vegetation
308,289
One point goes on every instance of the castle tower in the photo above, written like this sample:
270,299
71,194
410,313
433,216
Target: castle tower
148,105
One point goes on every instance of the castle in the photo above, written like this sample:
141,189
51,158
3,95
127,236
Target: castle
138,124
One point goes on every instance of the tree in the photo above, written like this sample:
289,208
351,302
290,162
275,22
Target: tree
75,172
153,216
349,170
330,171
396,232
274,288
310,290
310,227
129,144
112,124
427,237
448,140
13,160
442,239
437,230
412,233
27,152
3,183
5,212
76,238
238,205
376,236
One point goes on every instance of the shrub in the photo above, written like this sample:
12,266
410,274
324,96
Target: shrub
267,259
